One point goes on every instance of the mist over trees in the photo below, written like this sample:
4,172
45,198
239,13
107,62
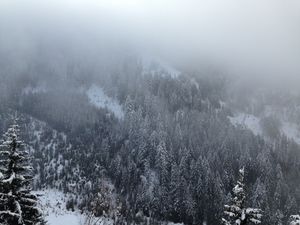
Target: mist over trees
222,94
174,156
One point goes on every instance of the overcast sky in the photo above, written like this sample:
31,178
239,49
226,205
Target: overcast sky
250,38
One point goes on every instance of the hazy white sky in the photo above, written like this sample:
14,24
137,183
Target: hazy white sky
258,38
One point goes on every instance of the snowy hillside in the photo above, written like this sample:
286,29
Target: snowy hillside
247,121
53,205
98,98
291,131
253,123
152,65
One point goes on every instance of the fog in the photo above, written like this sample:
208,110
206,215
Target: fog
118,136
256,40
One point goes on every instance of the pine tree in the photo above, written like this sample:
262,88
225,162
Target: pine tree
236,213
295,220
18,206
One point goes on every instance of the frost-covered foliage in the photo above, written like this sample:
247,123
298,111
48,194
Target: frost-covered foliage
237,213
171,157
295,220
105,207
18,205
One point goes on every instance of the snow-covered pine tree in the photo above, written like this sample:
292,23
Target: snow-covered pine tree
18,206
236,213
295,220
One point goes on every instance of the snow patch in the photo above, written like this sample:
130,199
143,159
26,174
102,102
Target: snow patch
291,131
193,80
34,90
53,205
247,121
98,98
251,122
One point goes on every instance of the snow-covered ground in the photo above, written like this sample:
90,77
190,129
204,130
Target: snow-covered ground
252,123
291,131
247,121
98,98
53,205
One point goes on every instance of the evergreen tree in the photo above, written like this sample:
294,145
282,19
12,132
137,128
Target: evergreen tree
237,213
18,206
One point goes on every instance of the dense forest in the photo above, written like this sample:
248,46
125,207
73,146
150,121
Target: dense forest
173,155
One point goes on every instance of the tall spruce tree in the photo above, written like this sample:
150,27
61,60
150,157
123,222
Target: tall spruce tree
18,206
237,213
